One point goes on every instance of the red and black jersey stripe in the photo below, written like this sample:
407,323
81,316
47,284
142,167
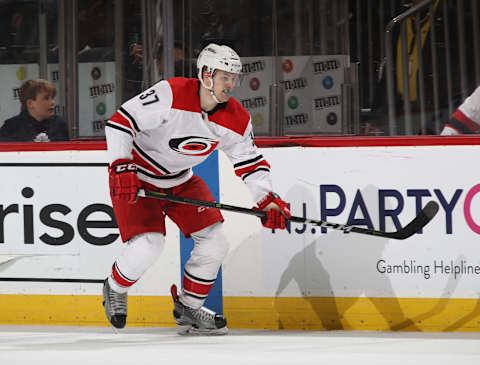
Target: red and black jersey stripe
123,121
246,168
462,123
143,159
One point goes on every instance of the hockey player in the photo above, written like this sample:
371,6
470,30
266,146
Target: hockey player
153,141
466,119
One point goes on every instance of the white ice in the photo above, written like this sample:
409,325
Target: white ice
50,345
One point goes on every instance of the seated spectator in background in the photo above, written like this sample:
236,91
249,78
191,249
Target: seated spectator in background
182,66
466,119
36,121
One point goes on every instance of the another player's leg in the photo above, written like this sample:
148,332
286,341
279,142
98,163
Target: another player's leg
199,276
139,254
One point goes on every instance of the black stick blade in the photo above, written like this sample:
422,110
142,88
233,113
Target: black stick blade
420,221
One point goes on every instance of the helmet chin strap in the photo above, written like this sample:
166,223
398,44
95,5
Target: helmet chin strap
210,88
212,93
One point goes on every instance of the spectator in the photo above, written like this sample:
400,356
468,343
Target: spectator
134,79
415,57
36,121
426,22
182,66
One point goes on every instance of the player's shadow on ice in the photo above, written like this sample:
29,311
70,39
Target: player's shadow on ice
354,257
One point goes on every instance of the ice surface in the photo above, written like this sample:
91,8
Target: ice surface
51,345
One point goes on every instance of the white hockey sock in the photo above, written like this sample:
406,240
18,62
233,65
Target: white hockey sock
201,269
139,254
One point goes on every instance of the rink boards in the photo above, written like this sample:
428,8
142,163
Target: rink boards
58,242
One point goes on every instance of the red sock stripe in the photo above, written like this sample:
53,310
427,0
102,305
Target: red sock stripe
120,279
195,287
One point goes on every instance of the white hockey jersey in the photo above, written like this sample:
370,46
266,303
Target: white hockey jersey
466,119
166,133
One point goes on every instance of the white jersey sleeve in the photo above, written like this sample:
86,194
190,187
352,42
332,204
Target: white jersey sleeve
141,113
119,145
144,111
471,106
249,164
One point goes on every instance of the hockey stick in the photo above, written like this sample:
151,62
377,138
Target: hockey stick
420,221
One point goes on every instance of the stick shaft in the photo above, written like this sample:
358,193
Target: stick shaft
200,203
414,226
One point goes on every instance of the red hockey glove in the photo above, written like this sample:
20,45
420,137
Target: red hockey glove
277,211
124,183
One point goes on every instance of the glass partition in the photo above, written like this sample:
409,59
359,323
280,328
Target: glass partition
28,50
430,45
96,66
313,67
294,68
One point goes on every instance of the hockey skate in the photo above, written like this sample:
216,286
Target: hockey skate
200,321
115,306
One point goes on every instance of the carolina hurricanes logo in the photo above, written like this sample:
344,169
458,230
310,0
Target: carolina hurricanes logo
193,146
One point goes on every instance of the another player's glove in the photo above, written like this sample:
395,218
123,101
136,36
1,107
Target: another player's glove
277,211
124,183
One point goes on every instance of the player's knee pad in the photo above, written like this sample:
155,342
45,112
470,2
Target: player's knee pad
140,253
210,243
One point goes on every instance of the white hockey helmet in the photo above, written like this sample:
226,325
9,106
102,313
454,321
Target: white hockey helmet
215,57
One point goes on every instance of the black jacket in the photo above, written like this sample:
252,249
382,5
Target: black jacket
24,128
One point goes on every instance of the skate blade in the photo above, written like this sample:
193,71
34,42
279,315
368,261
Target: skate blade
192,331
